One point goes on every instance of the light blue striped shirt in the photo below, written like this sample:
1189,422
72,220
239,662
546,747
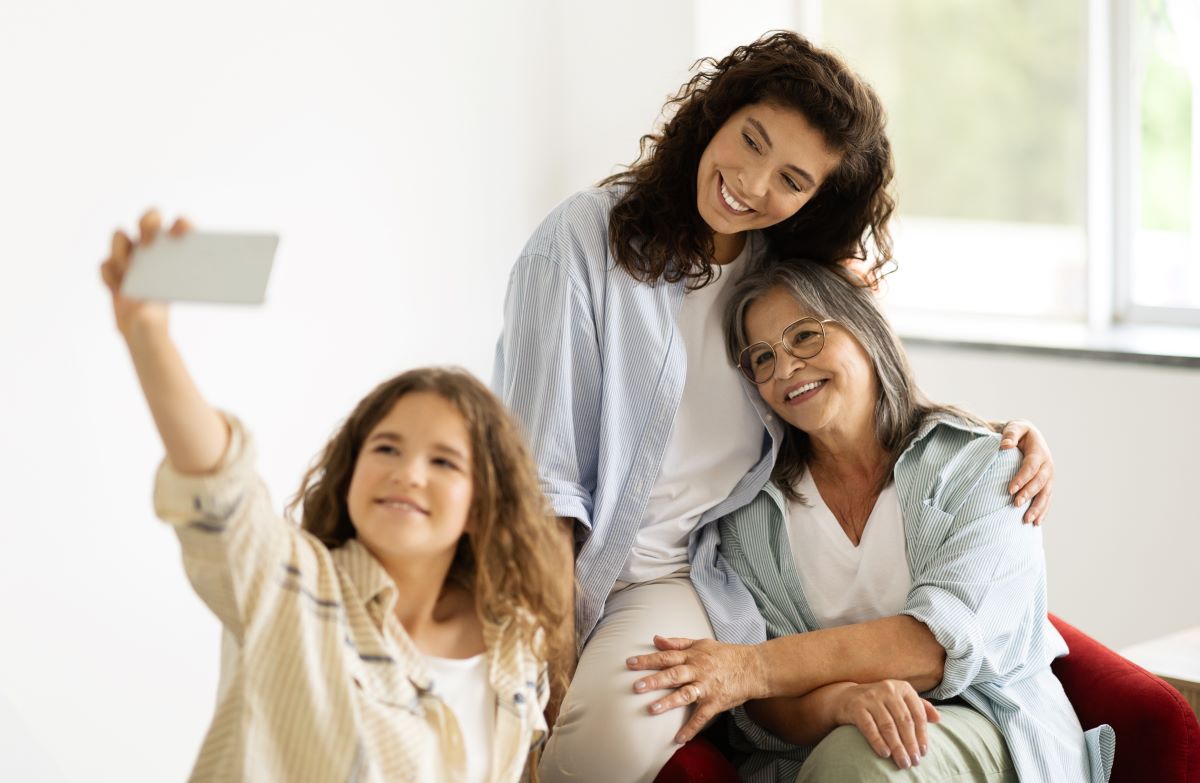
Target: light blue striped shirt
591,363
979,584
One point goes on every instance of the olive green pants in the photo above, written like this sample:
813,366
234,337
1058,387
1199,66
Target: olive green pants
963,746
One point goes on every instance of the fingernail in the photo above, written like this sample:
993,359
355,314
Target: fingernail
916,761
656,708
905,761
924,749
631,661
679,740
639,686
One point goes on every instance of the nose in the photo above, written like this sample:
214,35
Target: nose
753,180
786,365
409,472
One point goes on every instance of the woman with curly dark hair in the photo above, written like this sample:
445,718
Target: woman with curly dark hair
612,356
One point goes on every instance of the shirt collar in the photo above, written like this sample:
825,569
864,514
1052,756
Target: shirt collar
370,580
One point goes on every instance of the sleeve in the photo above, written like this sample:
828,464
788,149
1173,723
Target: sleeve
981,591
233,543
548,367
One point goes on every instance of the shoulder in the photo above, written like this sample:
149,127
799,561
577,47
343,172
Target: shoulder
752,521
952,462
577,227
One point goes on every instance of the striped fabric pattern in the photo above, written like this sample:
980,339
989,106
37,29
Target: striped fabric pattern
978,583
319,680
591,363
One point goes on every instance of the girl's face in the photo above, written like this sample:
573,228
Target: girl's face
410,495
825,395
760,168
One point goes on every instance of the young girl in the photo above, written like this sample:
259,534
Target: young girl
399,632
613,358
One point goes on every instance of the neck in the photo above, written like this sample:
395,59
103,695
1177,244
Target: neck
851,457
420,587
727,247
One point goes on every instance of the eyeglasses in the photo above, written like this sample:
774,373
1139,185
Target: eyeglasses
802,339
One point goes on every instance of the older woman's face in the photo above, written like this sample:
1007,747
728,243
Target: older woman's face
828,394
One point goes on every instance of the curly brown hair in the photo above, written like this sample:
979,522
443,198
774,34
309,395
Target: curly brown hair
655,229
509,559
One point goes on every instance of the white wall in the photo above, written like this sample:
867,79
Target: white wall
404,152
1123,535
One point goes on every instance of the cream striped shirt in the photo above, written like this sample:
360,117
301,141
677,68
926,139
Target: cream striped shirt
319,681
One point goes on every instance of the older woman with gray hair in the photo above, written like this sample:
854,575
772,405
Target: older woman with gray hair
887,517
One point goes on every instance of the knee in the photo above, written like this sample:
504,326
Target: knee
845,756
609,737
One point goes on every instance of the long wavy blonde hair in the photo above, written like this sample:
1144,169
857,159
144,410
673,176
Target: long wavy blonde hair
510,560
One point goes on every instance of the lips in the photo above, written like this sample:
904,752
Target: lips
399,503
729,201
803,391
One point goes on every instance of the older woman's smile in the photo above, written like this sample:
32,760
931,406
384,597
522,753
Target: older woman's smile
803,391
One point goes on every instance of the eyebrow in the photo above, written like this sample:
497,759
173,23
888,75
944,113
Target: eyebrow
758,126
395,438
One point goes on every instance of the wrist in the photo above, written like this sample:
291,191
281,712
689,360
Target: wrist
760,672
140,334
837,697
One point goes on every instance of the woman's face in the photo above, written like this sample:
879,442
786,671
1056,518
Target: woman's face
760,168
410,496
830,394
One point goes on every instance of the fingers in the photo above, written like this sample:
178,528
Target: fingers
916,709
864,721
1036,487
1041,504
1013,432
674,677
931,713
688,694
672,642
700,718
659,660
149,226
895,726
1031,465
180,227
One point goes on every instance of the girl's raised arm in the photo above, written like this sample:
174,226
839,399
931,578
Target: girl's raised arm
193,433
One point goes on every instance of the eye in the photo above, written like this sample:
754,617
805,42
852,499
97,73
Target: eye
792,184
443,462
804,336
386,448
751,143
761,358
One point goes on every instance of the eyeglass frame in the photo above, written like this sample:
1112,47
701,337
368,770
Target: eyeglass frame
783,342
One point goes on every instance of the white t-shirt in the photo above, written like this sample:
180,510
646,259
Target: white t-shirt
845,584
463,684
715,440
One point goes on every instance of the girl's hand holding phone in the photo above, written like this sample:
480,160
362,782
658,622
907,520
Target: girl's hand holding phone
136,317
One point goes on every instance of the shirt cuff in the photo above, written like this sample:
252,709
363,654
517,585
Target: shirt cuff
954,626
207,500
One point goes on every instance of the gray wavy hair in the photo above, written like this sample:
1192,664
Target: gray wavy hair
833,292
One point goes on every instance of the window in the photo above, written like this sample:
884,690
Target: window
1046,152
1165,264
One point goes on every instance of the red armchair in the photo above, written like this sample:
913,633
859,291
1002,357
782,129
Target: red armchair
1158,737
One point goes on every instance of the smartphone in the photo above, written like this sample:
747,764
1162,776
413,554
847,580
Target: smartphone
202,267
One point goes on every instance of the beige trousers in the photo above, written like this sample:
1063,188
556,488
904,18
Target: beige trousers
964,747
604,732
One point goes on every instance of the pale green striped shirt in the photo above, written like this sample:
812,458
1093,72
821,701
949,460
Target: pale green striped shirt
979,584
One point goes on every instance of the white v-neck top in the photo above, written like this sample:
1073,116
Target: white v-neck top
463,685
844,583
716,437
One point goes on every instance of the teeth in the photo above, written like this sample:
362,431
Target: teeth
733,203
805,388
399,504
